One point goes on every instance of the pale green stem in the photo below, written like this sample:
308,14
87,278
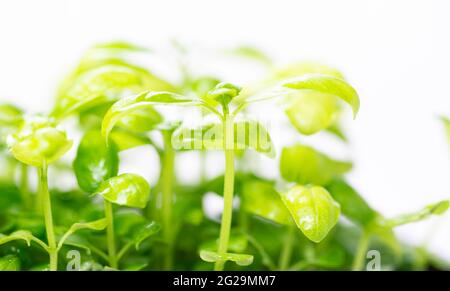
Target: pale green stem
167,178
228,190
286,252
110,237
24,191
44,195
360,256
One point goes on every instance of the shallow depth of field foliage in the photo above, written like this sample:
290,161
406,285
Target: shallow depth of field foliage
307,218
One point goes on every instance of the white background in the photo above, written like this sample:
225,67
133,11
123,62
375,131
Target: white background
396,53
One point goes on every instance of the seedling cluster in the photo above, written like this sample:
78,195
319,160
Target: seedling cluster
307,218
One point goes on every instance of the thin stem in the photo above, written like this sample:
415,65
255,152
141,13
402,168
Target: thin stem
228,190
110,237
48,219
167,177
24,191
286,252
361,252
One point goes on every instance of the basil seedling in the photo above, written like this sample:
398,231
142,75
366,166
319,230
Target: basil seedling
39,142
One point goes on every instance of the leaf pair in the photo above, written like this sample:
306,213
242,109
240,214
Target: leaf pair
247,134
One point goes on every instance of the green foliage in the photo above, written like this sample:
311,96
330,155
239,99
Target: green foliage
290,222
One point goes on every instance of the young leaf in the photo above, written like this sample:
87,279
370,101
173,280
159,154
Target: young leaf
261,198
93,225
304,165
247,134
353,206
39,140
9,263
95,162
131,104
145,232
126,189
326,84
313,210
438,208
239,259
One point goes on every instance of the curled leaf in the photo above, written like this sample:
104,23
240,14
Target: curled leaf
39,140
327,84
313,210
239,259
94,162
126,189
144,232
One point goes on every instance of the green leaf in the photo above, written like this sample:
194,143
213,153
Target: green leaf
327,84
39,140
9,263
247,134
223,93
93,225
126,189
95,162
239,259
141,101
105,83
313,210
261,198
438,208
304,165
353,205
145,232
